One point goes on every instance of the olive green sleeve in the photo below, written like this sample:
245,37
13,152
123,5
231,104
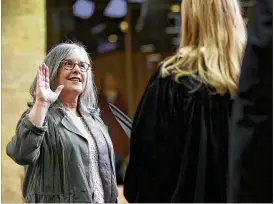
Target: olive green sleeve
24,148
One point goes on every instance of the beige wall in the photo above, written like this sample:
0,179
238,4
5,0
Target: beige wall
23,49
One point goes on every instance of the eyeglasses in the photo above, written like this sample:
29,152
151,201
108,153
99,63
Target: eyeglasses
69,65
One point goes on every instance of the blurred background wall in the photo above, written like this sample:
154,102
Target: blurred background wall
23,48
125,38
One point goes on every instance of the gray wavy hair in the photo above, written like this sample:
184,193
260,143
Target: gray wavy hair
53,59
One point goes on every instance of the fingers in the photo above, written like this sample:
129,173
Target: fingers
39,82
38,77
46,74
43,72
43,76
59,89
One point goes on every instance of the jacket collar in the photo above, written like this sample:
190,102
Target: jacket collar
60,116
89,116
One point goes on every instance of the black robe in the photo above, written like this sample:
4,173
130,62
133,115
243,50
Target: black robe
251,141
178,147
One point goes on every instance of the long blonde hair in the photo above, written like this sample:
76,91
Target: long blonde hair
213,37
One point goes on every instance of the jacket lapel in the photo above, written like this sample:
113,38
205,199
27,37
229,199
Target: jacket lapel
87,116
104,130
69,125
59,116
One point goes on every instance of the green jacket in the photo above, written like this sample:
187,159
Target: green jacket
56,159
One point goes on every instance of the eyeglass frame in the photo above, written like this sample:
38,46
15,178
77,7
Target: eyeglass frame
67,60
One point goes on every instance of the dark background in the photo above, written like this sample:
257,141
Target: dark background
62,25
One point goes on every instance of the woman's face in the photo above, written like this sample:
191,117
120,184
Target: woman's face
72,72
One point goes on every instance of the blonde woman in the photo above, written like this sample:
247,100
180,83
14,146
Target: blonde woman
179,139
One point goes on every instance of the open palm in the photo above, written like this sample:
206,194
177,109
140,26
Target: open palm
43,92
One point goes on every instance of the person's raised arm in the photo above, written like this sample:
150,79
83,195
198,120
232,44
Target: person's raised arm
44,96
24,148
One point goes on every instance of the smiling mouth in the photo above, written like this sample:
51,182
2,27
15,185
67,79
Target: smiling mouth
75,79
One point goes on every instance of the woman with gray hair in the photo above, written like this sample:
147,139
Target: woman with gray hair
61,140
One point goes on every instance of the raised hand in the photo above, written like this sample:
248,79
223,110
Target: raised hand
43,92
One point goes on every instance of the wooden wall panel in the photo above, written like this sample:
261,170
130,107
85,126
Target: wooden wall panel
115,64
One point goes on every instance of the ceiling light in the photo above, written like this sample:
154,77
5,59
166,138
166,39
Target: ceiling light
175,8
116,9
106,47
112,38
98,28
136,1
123,26
83,9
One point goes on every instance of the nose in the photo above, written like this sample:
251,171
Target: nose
76,68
